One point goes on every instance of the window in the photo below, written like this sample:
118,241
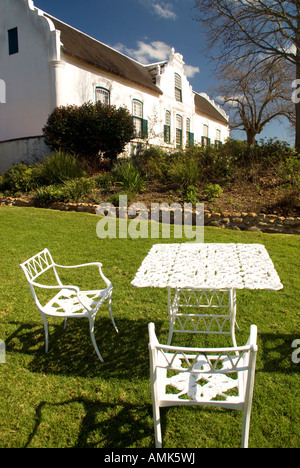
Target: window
167,127
102,95
140,125
205,139
178,131
13,41
189,135
218,138
178,88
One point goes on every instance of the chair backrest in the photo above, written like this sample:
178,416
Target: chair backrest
221,376
37,265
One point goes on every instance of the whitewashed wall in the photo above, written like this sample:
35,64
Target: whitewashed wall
24,150
38,78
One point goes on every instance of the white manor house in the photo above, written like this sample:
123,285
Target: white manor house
45,63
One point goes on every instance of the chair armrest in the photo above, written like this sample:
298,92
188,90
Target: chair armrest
81,265
98,264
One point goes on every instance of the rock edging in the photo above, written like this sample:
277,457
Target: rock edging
253,222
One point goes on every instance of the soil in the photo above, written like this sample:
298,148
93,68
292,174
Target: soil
238,197
261,194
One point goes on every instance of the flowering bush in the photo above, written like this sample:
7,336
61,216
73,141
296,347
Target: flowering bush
89,130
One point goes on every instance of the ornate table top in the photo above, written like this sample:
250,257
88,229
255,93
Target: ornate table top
211,266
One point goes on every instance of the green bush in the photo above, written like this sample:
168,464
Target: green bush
191,194
273,151
44,196
104,181
290,171
89,130
57,168
76,190
154,164
212,192
114,198
183,170
20,178
128,176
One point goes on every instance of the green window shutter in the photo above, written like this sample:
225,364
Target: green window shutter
191,139
167,134
145,129
13,42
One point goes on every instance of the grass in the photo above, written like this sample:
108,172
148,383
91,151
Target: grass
68,398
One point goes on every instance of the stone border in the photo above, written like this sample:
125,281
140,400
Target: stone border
253,222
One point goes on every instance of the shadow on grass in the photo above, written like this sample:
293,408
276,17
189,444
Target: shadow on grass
104,425
71,351
125,353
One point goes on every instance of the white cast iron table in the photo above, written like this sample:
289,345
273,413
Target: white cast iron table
206,276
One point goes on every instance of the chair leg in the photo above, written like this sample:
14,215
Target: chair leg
46,332
157,426
92,326
246,427
110,312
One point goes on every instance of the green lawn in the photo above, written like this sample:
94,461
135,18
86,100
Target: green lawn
68,398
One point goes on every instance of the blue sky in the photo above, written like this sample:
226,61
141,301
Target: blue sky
146,30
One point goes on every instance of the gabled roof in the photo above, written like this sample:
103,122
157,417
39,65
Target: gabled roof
82,47
203,106
92,52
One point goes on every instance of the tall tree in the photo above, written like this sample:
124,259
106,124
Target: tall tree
247,29
254,97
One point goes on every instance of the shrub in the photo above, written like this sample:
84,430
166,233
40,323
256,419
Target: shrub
290,171
184,170
104,180
191,194
20,178
154,163
114,198
273,151
76,190
57,168
44,196
212,192
89,130
129,176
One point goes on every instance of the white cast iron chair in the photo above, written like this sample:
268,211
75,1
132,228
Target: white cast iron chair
221,377
69,301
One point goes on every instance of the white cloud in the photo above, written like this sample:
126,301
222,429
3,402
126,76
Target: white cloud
191,71
163,10
155,51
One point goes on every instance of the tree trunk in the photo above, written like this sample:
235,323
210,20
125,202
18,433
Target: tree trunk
297,104
297,107
251,134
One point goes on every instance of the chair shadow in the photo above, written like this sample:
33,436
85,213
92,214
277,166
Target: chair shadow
71,351
118,428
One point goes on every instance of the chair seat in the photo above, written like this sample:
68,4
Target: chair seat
66,302
69,301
